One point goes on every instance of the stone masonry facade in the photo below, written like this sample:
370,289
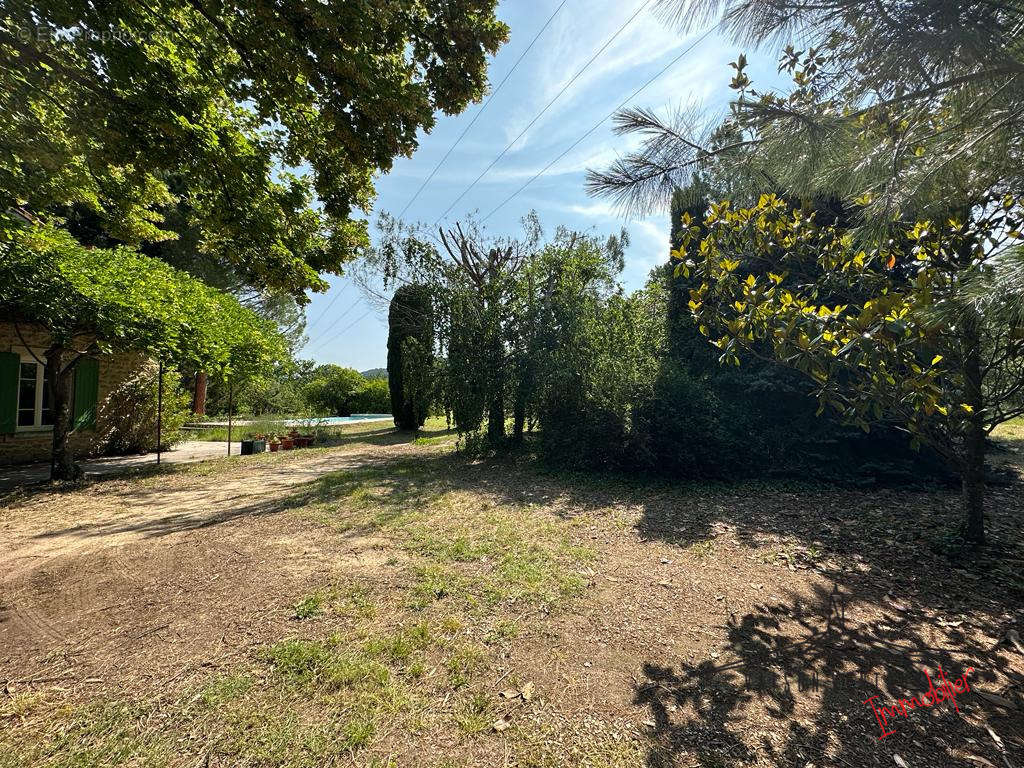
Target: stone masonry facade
36,445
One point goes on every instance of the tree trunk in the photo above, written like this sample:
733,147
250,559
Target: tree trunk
62,466
519,416
199,396
496,419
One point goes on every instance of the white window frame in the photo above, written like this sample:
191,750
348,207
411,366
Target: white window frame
28,357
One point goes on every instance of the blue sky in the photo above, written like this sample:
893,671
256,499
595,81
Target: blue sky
346,328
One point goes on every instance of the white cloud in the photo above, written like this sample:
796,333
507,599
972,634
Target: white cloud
605,82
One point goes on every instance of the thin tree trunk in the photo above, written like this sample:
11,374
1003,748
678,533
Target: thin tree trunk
519,417
496,407
496,419
63,466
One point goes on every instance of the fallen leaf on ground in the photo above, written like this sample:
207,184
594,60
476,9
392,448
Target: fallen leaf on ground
980,760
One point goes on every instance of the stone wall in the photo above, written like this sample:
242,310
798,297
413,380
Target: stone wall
114,370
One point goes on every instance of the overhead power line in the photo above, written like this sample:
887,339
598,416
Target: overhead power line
598,124
343,330
482,108
545,109
341,317
327,308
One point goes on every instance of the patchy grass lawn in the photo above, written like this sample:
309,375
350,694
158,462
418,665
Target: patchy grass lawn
382,602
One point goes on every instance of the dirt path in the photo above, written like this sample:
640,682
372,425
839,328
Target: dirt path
189,560
651,624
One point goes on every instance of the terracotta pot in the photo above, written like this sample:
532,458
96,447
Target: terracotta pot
274,447
287,443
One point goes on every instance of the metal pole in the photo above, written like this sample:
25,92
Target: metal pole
159,409
231,394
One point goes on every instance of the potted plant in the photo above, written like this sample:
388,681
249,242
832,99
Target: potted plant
253,444
275,444
287,443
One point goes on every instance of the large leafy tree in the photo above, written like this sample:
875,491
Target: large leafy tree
903,112
888,99
885,334
129,108
499,305
472,278
92,300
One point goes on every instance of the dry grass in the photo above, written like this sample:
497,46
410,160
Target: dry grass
412,608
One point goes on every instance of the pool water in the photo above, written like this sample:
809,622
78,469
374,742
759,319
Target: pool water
342,419
324,421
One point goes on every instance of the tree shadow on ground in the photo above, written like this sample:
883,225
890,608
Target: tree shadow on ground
805,685
905,599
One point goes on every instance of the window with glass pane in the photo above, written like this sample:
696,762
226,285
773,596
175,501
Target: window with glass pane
47,414
27,395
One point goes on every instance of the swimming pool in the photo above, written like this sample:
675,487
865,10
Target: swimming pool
342,419
322,421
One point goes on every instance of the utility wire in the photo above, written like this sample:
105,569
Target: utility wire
545,109
327,308
340,317
343,330
598,124
481,110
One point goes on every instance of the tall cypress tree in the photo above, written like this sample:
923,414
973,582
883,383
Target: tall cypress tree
410,327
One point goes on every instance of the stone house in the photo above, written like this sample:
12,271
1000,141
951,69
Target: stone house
100,397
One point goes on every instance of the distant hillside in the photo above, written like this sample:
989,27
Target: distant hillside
375,373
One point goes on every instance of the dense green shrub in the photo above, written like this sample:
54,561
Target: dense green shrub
629,383
371,397
464,386
410,354
130,412
333,390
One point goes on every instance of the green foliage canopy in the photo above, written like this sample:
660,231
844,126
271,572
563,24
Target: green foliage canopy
332,389
129,301
891,333
898,103
128,108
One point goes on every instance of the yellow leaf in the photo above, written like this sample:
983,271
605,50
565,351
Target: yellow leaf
937,359
966,407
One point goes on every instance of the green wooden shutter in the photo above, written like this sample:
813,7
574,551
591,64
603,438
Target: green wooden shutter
87,389
10,370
